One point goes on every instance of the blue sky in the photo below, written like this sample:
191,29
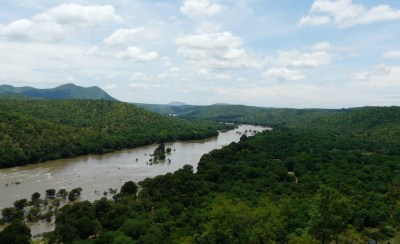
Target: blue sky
302,54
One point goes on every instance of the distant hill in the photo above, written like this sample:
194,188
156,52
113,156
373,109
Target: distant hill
224,112
175,103
67,91
168,109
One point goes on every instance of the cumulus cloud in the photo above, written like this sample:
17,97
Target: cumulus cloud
303,60
128,36
321,46
284,74
314,20
57,22
138,55
345,13
199,8
221,50
94,51
27,30
111,87
380,76
79,15
173,72
392,54
139,76
221,75
142,86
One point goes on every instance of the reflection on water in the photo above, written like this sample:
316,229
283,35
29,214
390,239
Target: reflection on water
97,173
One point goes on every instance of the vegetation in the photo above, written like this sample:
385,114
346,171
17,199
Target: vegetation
246,114
38,130
333,178
67,91
167,109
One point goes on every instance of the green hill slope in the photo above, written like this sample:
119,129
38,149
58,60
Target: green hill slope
67,91
38,130
224,112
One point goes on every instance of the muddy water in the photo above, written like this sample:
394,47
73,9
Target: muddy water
97,173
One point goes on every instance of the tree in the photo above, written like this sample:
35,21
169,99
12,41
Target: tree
74,194
330,216
35,196
12,214
20,204
134,228
129,188
62,193
50,193
16,232
239,223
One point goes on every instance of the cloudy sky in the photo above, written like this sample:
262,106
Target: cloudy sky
286,53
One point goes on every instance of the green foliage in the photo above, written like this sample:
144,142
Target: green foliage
159,152
39,130
12,214
20,204
330,215
50,193
74,194
74,222
129,188
62,193
35,196
239,223
333,178
16,232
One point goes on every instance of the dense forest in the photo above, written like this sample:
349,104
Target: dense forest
335,179
34,131
246,114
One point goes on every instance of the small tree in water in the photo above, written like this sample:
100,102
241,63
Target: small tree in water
159,153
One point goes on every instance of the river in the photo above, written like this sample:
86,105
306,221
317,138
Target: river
96,174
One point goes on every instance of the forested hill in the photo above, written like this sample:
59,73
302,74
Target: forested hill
67,91
39,130
245,114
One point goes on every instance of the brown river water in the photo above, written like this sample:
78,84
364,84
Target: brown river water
98,173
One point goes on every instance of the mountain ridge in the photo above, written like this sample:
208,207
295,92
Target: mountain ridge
65,91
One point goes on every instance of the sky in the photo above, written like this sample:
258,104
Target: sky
286,53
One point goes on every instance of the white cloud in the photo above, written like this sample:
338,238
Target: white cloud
284,74
221,75
221,50
79,15
94,51
322,46
58,22
138,55
142,86
139,76
128,36
392,54
27,30
379,77
111,87
303,60
314,20
199,8
345,13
